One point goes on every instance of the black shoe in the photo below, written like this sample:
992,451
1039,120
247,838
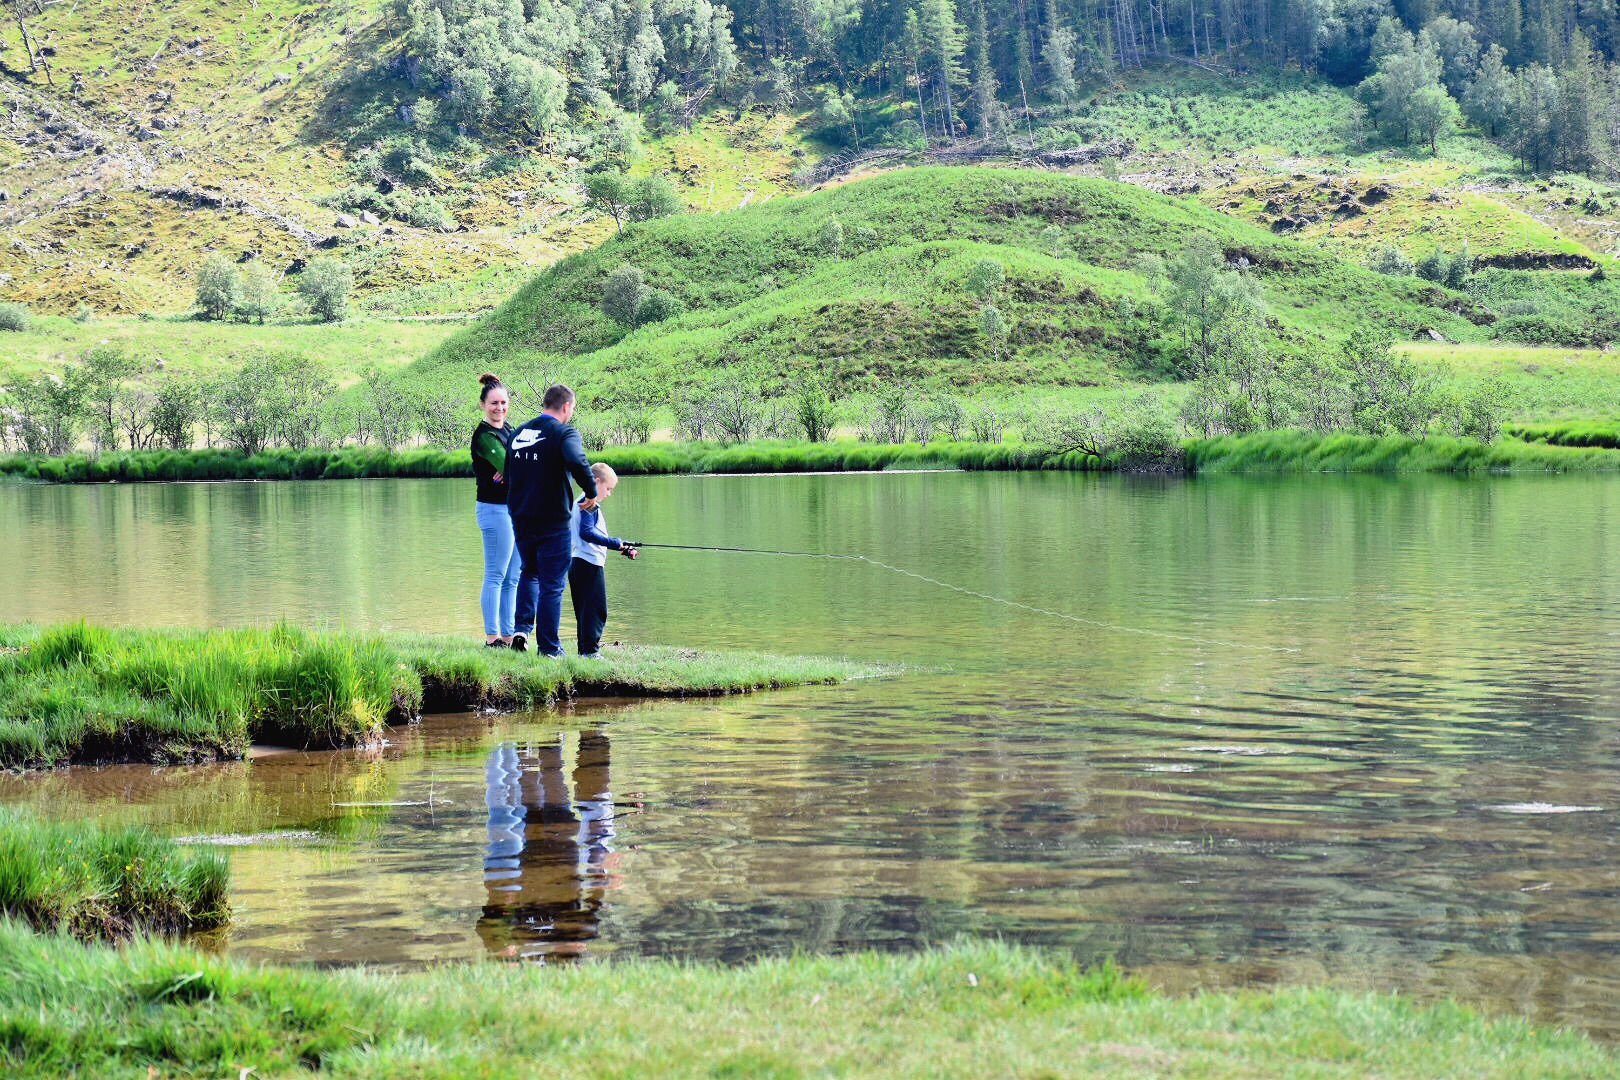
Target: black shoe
496,644
520,643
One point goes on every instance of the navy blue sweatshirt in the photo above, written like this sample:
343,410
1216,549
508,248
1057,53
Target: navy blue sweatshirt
541,457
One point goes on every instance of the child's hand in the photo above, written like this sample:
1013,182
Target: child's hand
629,551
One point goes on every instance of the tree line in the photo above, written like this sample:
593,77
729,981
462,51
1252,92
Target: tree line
586,75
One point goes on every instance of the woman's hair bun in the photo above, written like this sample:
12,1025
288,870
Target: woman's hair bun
489,378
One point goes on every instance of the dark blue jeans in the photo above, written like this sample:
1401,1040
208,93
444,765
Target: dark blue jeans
546,559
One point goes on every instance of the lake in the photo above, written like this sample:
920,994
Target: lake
1229,731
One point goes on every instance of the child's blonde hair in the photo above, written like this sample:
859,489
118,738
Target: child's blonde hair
603,471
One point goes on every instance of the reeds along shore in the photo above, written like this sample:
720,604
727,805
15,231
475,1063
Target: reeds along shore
77,693
1534,448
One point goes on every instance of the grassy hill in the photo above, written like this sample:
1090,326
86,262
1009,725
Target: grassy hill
190,126
765,286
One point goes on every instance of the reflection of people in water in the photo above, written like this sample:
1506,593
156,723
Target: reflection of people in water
549,850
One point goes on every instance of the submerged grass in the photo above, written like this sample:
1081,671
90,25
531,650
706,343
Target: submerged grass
93,881
79,693
971,1009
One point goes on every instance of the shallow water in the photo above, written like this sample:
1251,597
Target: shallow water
1423,796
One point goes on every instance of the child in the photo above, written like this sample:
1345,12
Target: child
587,578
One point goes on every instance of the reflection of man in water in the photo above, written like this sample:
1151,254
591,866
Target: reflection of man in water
546,865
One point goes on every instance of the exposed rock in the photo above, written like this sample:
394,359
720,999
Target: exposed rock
369,218
297,266
330,242
4,195
1348,210
1274,206
1429,333
385,186
146,134
347,221
1376,194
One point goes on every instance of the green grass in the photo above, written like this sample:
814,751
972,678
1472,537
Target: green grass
79,693
94,881
967,1010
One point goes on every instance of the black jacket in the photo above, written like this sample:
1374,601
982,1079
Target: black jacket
541,457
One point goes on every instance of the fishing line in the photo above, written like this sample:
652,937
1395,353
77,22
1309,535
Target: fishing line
980,595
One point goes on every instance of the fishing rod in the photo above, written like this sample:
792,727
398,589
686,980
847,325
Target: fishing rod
745,551
1082,620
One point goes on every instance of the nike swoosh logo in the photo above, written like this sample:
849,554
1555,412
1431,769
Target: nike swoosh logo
526,438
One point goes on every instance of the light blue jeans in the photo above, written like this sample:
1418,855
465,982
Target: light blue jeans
501,569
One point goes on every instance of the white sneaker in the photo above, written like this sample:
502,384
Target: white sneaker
590,656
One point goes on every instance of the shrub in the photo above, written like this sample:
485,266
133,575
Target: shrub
325,284
1534,329
258,296
655,305
14,317
1389,259
622,294
217,287
813,412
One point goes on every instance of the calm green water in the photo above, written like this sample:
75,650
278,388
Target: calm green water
1423,796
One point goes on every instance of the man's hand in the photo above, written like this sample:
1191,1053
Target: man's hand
587,504
629,551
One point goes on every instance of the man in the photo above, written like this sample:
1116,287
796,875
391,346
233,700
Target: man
542,456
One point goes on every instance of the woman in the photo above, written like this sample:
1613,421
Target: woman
501,563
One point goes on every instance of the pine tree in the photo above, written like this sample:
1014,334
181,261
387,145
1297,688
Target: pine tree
943,44
1488,98
1059,55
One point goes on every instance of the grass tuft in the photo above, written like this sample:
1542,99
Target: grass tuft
92,881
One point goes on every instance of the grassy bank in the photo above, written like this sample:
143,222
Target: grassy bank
1590,433
92,881
968,1010
1532,448
1300,451
78,693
